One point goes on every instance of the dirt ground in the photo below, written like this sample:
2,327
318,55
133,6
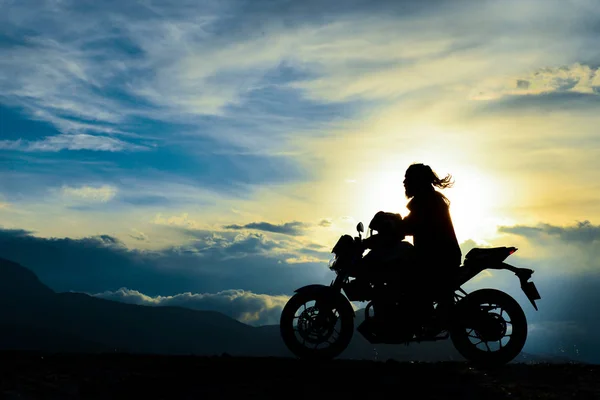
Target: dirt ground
110,376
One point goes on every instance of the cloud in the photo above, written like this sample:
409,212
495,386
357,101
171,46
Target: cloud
102,193
169,65
208,262
252,243
304,259
327,222
184,62
293,228
79,141
245,306
556,250
182,220
575,78
581,232
574,88
468,245
137,235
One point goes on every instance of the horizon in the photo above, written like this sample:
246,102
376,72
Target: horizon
210,154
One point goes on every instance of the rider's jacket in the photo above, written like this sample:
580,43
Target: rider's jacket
433,233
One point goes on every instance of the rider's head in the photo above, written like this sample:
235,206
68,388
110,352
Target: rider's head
420,178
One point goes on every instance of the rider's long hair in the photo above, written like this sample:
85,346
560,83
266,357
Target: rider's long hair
427,176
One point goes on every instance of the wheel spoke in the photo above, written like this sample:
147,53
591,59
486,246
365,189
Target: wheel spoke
488,346
317,328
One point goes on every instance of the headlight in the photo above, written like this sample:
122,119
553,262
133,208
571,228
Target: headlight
332,262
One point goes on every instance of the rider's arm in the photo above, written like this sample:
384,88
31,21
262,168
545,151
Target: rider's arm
412,220
408,224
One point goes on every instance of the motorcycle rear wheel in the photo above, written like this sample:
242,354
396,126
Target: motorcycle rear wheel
490,328
304,334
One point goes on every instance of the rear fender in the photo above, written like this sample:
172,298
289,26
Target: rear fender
528,288
469,271
325,293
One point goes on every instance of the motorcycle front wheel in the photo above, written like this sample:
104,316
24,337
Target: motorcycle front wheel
317,326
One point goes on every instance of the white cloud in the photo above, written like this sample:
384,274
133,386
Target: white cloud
180,64
138,235
305,259
102,193
212,263
79,141
245,306
182,220
550,248
10,144
325,222
56,80
575,78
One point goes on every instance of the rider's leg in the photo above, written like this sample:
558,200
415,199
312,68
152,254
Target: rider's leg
444,294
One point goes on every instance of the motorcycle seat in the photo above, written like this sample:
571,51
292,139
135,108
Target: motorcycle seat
487,250
487,253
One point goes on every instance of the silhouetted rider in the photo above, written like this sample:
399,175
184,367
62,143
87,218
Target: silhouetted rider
429,221
437,254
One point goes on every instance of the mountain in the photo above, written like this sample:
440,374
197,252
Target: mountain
34,317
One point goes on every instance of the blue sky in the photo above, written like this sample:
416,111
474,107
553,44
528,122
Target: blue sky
223,146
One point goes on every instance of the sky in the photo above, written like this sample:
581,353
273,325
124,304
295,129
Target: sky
210,153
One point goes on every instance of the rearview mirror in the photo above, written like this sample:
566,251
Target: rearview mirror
360,227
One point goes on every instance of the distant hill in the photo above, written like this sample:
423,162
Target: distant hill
34,317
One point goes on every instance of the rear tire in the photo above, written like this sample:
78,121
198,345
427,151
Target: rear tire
300,342
464,336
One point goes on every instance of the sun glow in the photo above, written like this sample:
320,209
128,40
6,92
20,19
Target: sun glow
475,198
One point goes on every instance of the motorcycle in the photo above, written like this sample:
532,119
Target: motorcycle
487,326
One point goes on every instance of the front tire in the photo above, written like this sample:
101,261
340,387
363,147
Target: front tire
306,330
481,338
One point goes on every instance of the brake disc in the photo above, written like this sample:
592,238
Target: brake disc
312,328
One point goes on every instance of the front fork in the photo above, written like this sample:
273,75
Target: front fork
327,303
338,282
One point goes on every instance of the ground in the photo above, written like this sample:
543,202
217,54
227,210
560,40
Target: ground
78,376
